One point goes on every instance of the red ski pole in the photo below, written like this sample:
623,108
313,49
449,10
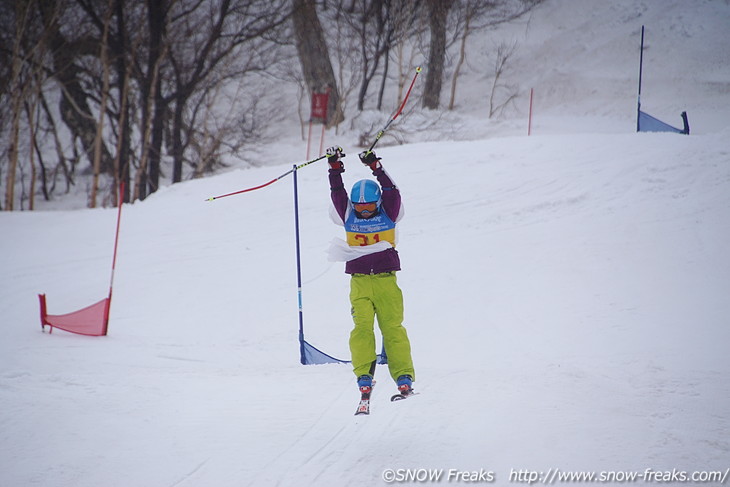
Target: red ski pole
400,109
268,183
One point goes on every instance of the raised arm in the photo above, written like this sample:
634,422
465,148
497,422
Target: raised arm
391,204
338,192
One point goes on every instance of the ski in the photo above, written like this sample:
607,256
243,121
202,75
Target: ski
402,395
364,406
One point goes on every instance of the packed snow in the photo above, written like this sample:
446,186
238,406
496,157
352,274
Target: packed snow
566,293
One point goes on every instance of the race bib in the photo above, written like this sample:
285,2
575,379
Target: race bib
369,231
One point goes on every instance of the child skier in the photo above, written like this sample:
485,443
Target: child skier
369,216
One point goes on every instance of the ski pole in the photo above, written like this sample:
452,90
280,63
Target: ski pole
270,182
400,109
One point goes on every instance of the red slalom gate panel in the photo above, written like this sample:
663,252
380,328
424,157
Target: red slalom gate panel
92,320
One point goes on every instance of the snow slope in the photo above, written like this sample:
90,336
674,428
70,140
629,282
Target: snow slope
568,311
566,298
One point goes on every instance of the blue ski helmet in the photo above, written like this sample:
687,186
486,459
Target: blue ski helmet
365,191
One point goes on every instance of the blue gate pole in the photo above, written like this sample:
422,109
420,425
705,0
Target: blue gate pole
641,68
302,356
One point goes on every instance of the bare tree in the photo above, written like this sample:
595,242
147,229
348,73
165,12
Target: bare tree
153,106
314,57
401,23
139,90
113,75
33,109
72,75
16,87
438,11
139,86
104,56
25,51
152,113
378,26
476,15
501,65
121,47
212,50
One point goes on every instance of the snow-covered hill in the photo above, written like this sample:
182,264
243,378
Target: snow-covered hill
566,298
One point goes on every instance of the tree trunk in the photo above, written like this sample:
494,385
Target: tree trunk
157,23
18,93
385,77
141,178
314,57
13,152
438,11
462,58
158,125
123,69
177,142
98,141
73,106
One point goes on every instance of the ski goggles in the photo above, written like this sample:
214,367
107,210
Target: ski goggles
366,207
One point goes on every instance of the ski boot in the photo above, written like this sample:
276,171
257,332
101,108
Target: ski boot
405,388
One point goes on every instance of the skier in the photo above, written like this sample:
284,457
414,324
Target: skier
369,216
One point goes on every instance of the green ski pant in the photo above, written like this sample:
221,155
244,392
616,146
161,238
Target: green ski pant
378,295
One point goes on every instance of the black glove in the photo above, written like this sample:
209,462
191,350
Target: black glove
334,154
369,158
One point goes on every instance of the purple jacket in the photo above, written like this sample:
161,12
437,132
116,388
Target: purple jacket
387,260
